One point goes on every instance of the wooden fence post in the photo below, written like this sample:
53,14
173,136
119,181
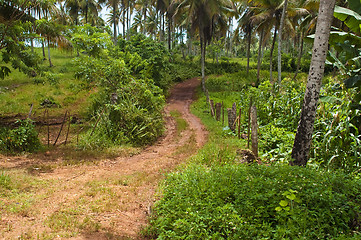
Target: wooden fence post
211,103
232,117
31,109
218,111
222,114
249,122
67,132
61,128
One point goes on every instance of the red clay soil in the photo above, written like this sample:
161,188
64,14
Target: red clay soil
144,170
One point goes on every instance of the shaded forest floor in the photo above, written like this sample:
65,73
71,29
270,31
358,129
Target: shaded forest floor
107,199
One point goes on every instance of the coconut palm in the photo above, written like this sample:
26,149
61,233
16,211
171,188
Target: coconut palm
203,16
266,16
246,25
114,6
73,8
89,7
302,143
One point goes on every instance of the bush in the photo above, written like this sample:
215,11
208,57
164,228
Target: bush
257,202
129,107
23,138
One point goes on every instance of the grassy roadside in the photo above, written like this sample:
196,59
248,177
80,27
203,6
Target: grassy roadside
215,196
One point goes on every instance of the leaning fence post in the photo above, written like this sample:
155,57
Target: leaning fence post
31,109
211,103
61,128
67,132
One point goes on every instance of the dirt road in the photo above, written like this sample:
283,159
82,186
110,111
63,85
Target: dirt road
111,199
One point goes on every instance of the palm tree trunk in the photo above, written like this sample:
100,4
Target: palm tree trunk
43,48
128,21
203,60
50,63
282,23
249,49
271,54
123,19
299,57
259,56
302,143
115,22
144,17
169,33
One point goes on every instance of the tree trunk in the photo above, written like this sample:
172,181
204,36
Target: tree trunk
128,21
271,54
123,23
259,57
299,57
282,23
203,59
144,17
254,131
50,63
43,48
115,22
169,33
302,143
249,49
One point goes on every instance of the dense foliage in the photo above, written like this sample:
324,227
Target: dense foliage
127,103
22,138
257,202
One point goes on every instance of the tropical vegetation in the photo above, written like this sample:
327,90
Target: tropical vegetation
109,65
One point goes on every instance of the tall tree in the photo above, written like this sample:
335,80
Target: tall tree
203,15
284,12
115,15
302,143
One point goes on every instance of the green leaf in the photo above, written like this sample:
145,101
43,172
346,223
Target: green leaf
291,197
353,82
330,99
351,18
355,5
278,209
283,203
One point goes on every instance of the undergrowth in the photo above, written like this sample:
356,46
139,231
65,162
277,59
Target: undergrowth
257,202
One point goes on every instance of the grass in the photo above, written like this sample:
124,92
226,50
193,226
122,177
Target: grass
182,124
18,91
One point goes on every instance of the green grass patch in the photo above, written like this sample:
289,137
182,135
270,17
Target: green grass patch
181,123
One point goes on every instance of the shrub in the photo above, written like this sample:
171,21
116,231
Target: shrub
129,107
257,202
23,138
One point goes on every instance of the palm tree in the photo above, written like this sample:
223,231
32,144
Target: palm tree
73,7
302,143
266,15
203,15
305,26
114,5
89,7
245,24
284,9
